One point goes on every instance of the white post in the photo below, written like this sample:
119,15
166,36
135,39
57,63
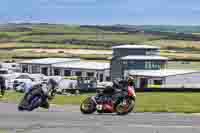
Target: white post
84,74
29,68
138,82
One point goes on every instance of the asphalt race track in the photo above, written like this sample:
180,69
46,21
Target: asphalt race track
69,120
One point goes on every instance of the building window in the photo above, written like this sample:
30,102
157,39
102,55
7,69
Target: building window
3,72
152,52
97,76
24,68
67,73
44,70
149,52
78,73
90,74
148,65
157,82
14,65
124,62
108,78
152,65
35,69
101,77
56,72
131,62
156,65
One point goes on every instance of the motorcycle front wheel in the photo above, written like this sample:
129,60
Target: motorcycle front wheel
88,106
35,103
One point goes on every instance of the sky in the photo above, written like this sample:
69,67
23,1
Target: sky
104,12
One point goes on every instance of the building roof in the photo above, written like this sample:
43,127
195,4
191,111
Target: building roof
49,61
135,47
84,65
139,57
159,73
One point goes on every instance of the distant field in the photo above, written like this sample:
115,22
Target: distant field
137,38
14,34
36,50
18,45
176,44
178,49
182,56
182,65
63,29
67,51
29,54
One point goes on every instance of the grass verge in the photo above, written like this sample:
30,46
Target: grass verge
146,102
3,131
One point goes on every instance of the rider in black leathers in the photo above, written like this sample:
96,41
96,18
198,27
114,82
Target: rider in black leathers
38,90
120,85
110,91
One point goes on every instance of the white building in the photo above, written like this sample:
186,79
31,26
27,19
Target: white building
149,68
14,67
100,70
43,66
166,78
67,67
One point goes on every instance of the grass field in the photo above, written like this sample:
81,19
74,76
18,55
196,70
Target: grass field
17,45
3,131
23,50
35,52
29,50
53,28
176,44
135,38
190,56
146,102
181,65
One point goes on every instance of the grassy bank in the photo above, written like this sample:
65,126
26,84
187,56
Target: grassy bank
146,102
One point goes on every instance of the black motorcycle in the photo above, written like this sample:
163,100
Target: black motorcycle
38,96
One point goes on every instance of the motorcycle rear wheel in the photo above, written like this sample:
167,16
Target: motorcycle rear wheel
125,109
88,106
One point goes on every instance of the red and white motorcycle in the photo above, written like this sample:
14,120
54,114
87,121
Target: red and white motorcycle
122,102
